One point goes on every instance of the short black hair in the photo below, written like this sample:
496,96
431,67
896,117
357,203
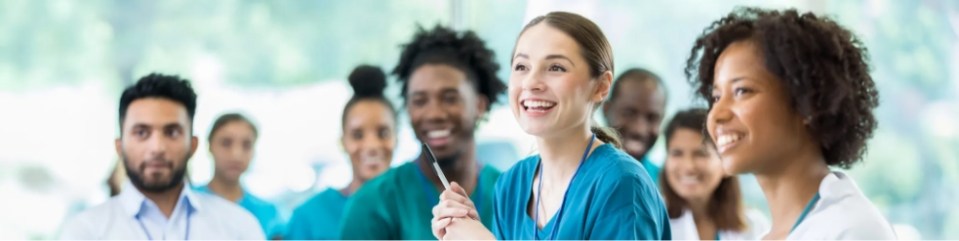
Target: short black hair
464,51
157,85
694,119
637,74
822,65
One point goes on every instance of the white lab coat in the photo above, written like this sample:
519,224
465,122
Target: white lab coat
684,227
842,212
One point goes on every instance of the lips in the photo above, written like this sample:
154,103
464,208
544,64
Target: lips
537,107
727,140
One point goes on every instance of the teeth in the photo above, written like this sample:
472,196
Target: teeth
538,104
688,179
438,134
727,139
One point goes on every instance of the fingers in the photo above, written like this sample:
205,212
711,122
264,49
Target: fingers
455,187
451,209
439,227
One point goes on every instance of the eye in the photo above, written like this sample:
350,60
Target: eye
742,91
557,67
519,67
418,101
226,142
450,98
174,133
384,133
141,132
357,134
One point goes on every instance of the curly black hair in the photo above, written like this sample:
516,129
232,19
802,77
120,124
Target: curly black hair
464,51
823,66
170,87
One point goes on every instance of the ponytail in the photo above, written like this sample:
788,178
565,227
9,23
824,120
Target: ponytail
606,135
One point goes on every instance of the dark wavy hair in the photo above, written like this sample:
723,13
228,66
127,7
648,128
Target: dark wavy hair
464,51
822,65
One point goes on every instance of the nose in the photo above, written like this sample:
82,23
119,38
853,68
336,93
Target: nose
533,81
720,112
371,146
157,145
434,111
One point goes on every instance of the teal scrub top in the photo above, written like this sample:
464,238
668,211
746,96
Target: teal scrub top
651,169
399,204
610,197
319,217
265,212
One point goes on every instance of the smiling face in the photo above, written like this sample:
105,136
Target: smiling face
751,120
693,169
444,108
550,87
369,136
636,111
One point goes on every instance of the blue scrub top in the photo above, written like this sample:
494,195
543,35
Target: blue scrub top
319,217
265,212
651,169
611,197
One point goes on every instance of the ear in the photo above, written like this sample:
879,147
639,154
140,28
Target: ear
194,143
603,87
118,145
481,103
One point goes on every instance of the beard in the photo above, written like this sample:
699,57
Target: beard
137,177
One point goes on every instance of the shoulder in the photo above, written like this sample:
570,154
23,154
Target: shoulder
89,222
386,184
844,212
220,206
520,171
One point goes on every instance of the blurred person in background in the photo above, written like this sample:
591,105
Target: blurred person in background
449,83
369,138
156,142
703,202
232,142
635,109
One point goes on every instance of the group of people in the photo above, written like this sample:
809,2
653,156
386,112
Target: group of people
789,96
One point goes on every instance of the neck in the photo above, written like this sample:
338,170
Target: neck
700,209
463,170
789,189
165,200
561,154
226,188
350,189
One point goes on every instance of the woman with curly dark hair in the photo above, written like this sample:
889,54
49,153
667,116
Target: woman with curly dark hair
790,95
448,83
580,185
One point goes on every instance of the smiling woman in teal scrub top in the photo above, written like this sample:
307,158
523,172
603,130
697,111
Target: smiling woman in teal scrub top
369,136
580,185
232,141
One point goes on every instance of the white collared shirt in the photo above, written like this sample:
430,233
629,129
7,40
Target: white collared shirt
684,227
131,215
842,212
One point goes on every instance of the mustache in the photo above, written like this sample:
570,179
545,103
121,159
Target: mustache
160,161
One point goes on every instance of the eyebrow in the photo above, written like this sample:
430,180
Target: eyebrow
551,56
560,56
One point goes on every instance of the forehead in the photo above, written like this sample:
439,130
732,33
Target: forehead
155,111
741,59
542,39
368,112
642,92
430,78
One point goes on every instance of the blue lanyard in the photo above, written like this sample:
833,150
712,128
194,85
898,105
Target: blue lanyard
430,191
805,211
186,236
562,206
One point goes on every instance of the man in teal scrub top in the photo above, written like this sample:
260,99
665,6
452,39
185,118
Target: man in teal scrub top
635,108
449,83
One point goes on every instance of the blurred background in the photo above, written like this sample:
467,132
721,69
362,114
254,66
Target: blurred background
63,64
